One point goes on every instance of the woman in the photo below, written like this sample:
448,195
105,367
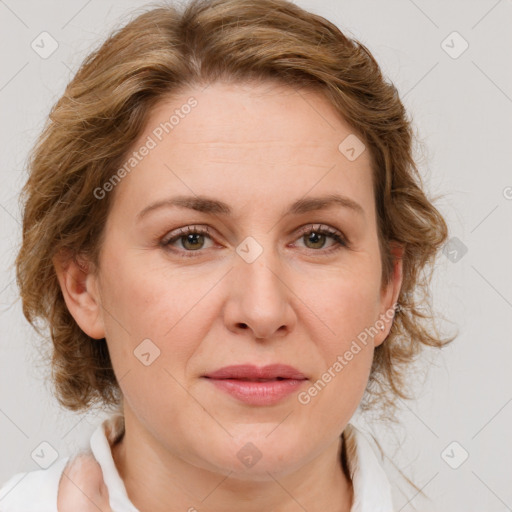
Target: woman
221,217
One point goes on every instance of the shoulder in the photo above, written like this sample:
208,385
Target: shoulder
70,484
33,491
68,481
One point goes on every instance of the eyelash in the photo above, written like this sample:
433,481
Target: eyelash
341,241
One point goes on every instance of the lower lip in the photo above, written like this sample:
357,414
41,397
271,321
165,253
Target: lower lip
258,393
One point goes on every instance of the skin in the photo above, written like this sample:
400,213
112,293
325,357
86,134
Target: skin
82,487
257,147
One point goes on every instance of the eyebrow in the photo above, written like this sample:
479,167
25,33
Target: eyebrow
213,206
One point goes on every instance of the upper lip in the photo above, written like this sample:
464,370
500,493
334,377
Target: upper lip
251,372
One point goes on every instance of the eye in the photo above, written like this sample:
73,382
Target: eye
191,239
316,237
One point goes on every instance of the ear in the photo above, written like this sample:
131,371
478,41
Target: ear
389,295
79,287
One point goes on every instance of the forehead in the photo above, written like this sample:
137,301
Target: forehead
245,143
241,115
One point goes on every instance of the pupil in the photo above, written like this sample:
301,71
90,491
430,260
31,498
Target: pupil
316,238
192,239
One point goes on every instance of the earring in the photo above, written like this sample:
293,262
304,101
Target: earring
382,327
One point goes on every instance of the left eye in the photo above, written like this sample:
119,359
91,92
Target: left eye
192,239
318,235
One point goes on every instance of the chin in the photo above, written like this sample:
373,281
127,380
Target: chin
255,454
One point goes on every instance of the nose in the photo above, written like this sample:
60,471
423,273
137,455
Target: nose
260,298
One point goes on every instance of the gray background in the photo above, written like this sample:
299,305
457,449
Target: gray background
461,106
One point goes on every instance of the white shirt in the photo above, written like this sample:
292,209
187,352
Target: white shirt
36,491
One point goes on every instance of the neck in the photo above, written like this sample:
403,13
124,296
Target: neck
155,477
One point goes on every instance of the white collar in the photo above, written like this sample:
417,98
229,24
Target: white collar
101,441
372,490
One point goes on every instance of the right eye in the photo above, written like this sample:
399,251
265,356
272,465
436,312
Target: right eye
192,239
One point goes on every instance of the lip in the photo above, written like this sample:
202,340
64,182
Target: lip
251,372
254,385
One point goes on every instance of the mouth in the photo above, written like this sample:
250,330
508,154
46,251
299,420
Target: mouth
257,386
248,372
251,380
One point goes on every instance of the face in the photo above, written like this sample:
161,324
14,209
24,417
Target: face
267,277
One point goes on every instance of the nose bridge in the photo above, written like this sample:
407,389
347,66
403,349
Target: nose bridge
260,296
258,270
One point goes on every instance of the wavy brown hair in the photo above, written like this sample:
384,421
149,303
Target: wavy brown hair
103,110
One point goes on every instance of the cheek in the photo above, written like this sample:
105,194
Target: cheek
149,338
346,349
144,302
344,327
346,302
